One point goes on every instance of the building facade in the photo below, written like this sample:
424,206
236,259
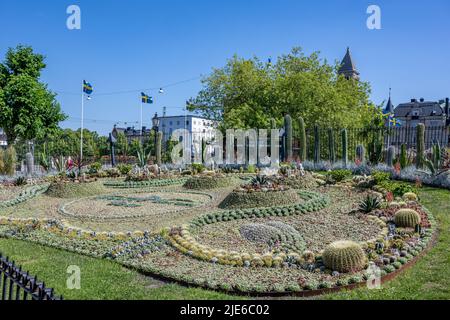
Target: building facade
347,67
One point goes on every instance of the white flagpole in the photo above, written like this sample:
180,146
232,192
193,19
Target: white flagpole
82,123
142,133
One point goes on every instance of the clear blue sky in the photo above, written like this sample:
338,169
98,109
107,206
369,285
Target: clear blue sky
129,45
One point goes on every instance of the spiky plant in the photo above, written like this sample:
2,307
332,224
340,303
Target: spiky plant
288,131
259,180
403,156
406,218
302,138
369,204
344,256
159,147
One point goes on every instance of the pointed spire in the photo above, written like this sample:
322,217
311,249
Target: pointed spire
389,106
347,67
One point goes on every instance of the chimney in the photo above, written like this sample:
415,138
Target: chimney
447,108
413,100
422,99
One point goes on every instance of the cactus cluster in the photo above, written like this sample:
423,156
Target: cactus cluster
344,256
403,156
406,218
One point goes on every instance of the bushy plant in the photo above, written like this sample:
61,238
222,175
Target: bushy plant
198,167
124,169
251,168
379,176
406,218
398,189
95,167
339,175
344,256
20,181
8,160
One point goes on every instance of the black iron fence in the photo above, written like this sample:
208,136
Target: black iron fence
16,284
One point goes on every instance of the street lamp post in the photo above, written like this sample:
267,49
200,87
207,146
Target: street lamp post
155,123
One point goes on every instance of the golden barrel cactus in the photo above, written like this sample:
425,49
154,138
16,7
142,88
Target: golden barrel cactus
344,256
406,218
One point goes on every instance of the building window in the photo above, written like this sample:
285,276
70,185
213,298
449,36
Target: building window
187,122
178,123
170,122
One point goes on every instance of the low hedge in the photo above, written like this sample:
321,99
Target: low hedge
143,184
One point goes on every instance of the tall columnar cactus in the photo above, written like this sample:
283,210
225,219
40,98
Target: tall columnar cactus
361,153
436,156
390,155
403,157
316,144
29,163
302,139
420,145
159,147
331,150
344,137
288,132
406,218
344,256
375,148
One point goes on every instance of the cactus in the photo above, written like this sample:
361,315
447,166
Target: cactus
403,157
436,154
316,144
29,163
420,145
361,153
331,150
203,150
375,148
273,123
302,139
390,155
288,133
406,218
344,256
158,147
8,160
344,147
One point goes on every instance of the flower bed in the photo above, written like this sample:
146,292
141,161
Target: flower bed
25,195
143,184
209,182
69,189
259,198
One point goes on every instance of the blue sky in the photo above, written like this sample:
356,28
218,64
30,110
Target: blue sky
129,45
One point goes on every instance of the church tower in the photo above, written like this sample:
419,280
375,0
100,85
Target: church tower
348,68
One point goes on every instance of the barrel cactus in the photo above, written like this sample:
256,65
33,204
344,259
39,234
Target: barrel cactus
406,218
302,139
344,256
344,147
420,145
390,155
159,147
288,132
331,150
316,144
361,153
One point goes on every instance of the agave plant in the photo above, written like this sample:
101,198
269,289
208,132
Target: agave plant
60,164
369,204
142,157
260,181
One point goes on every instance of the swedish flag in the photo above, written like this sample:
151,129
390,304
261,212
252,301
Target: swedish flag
395,122
87,87
146,99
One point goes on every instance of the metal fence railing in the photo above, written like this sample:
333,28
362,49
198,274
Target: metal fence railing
16,284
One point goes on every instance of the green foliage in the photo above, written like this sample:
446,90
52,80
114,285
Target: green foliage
289,141
28,110
124,169
316,144
142,156
247,93
380,176
95,167
344,137
398,189
375,148
338,175
251,168
159,147
260,181
302,139
331,147
198,168
420,145
436,155
406,218
8,160
344,256
20,181
369,203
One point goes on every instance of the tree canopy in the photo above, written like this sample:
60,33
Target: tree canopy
247,93
28,110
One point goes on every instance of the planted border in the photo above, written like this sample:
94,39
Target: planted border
25,195
143,184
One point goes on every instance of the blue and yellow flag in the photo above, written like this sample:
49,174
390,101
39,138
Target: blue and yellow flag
395,122
87,87
145,98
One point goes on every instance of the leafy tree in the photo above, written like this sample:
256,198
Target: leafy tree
246,93
28,110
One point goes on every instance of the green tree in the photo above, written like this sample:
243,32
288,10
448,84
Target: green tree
246,93
28,110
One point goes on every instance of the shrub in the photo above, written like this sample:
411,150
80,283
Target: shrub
398,189
407,218
124,169
95,167
198,167
251,168
369,204
344,256
379,176
339,175
8,160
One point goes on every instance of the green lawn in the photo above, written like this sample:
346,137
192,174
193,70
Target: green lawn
102,279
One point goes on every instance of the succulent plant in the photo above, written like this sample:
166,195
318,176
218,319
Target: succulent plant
288,131
344,256
370,203
302,139
407,218
410,196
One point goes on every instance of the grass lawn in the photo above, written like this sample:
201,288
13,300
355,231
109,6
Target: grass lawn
102,279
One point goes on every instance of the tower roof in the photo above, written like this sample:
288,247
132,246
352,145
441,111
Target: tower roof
347,65
389,107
